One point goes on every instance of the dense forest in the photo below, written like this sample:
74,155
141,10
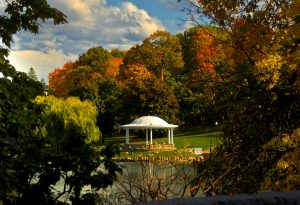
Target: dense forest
240,69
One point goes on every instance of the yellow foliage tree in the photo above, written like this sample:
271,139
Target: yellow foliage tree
82,114
268,70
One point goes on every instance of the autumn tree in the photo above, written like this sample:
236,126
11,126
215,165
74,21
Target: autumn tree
257,93
92,77
57,80
160,53
144,94
204,55
203,49
95,58
159,60
112,67
83,82
74,80
135,71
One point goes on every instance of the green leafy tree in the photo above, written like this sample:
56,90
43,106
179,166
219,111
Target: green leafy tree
95,58
117,53
32,157
18,118
18,122
58,145
110,109
72,149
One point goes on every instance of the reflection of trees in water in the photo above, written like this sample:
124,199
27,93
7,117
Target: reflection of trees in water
147,181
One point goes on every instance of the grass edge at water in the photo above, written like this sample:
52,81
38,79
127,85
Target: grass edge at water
184,137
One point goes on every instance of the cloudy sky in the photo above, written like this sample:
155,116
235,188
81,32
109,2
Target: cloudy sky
107,23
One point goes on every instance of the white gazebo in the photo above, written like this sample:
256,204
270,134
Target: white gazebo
149,123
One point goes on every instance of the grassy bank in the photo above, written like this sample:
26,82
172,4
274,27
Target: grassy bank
184,137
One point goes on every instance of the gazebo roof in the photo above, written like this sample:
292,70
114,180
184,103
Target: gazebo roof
147,122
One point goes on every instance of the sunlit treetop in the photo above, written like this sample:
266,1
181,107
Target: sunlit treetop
71,111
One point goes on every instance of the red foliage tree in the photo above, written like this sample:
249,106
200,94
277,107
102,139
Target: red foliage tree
57,84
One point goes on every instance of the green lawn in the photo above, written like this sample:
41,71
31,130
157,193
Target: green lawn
186,136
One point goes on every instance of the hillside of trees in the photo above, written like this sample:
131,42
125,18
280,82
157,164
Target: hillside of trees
171,76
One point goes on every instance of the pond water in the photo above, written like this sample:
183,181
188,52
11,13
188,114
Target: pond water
146,181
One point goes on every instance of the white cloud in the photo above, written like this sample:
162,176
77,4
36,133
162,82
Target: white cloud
91,23
43,63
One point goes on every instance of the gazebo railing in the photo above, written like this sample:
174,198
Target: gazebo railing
161,146
144,147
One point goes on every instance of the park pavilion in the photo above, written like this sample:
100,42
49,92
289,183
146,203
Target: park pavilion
149,123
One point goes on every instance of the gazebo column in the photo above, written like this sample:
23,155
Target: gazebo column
169,136
150,136
147,136
172,142
127,136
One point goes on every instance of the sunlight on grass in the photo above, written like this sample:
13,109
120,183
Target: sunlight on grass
184,137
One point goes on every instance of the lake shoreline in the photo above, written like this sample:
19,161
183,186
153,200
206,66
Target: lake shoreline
174,159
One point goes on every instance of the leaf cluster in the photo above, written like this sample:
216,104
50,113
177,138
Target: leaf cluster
26,15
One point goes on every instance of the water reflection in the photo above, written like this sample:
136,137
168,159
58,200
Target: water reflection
144,181
148,181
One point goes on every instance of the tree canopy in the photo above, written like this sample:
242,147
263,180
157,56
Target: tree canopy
257,94
160,53
94,57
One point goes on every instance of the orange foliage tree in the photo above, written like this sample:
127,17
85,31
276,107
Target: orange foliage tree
134,71
206,50
57,84
111,67
206,53
72,80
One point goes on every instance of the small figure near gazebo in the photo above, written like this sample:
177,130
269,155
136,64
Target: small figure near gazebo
149,123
